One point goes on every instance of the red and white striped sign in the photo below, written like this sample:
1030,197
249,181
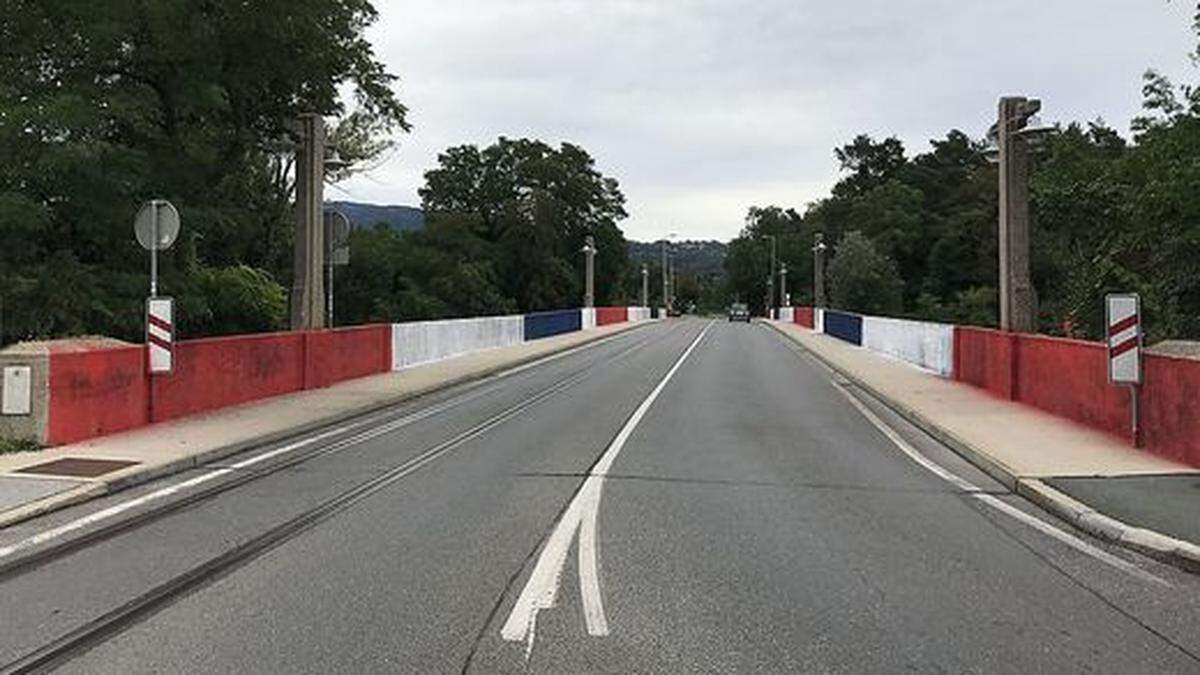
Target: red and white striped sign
160,334
1124,314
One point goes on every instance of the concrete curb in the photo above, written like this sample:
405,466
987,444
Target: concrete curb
1177,552
100,488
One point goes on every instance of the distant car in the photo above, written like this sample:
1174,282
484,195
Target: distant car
739,312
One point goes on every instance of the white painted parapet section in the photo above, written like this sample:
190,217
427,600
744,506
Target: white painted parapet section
587,318
927,345
425,341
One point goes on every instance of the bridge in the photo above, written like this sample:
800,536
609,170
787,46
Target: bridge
590,490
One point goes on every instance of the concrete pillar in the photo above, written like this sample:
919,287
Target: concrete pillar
664,273
589,253
1017,301
308,294
645,287
819,270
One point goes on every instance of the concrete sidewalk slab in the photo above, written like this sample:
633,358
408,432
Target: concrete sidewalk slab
1088,478
1172,511
169,447
1022,441
18,490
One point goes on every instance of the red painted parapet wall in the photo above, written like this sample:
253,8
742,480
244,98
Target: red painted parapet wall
103,391
1069,378
803,316
95,392
346,353
1171,407
608,315
216,372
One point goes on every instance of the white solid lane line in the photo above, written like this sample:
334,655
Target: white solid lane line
370,432
581,516
977,493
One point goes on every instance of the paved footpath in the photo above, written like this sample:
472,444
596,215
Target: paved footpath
170,447
688,497
1091,478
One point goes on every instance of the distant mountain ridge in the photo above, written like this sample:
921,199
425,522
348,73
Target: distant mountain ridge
398,218
706,258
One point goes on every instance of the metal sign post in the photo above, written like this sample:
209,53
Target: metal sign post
1123,319
160,334
337,245
156,227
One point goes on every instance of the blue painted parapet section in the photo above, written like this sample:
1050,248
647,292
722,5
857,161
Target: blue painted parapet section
844,326
545,324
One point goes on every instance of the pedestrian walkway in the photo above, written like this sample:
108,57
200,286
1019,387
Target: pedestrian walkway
98,466
1018,444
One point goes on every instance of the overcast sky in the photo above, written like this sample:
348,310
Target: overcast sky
703,108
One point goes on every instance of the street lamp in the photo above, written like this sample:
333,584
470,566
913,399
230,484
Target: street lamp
783,296
666,291
308,301
589,253
771,279
645,286
819,269
1016,128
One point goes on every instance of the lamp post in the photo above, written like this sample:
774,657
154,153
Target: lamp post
771,278
819,269
783,296
674,289
1012,133
645,286
665,279
308,302
589,253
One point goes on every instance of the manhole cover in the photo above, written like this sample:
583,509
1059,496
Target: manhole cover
77,466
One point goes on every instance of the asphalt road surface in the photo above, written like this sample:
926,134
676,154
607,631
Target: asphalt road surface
689,496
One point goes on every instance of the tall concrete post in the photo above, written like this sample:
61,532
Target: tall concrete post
308,294
1017,301
674,289
589,253
783,296
666,292
819,270
645,286
774,298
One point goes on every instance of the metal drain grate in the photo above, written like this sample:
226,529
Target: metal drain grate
77,467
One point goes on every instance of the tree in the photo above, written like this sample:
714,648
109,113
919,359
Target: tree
862,279
870,164
104,105
536,204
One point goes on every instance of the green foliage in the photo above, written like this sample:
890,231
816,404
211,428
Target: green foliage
237,299
513,218
862,279
106,104
1108,215
14,445
699,273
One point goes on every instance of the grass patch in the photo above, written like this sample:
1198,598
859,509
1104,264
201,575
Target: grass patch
11,445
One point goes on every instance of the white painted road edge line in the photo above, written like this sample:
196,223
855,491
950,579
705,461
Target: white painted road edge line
1000,505
371,432
580,516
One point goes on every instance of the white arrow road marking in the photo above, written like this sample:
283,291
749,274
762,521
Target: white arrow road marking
581,516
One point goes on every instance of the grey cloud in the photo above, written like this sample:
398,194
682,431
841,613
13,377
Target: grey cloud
704,108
